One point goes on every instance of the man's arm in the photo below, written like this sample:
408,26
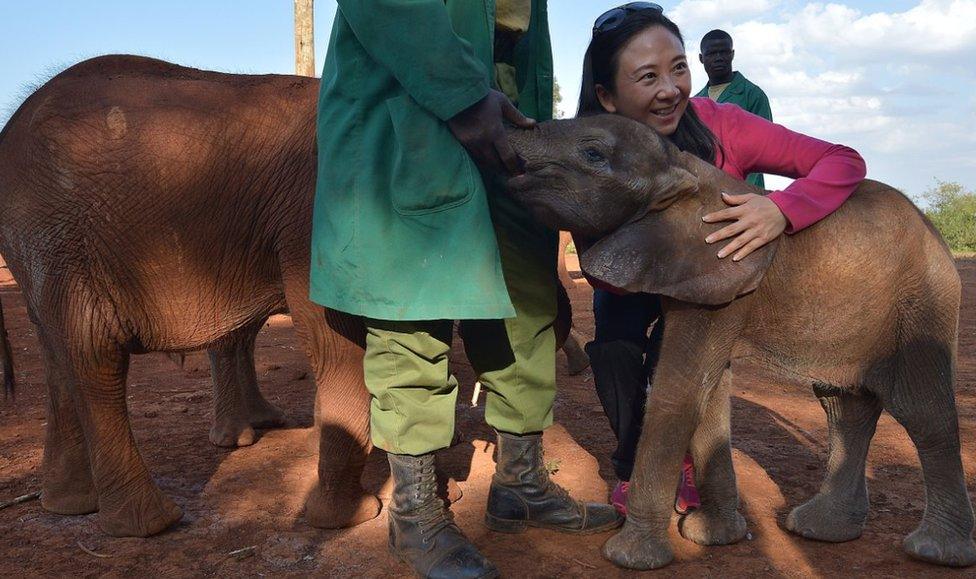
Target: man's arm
760,105
414,41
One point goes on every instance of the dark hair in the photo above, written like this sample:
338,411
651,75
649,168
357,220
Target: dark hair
600,67
714,35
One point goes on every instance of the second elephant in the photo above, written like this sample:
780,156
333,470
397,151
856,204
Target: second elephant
863,307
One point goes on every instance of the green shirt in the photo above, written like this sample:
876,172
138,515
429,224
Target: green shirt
401,228
750,97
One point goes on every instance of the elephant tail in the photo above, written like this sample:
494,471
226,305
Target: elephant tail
6,359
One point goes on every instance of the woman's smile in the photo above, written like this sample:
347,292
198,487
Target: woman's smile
665,112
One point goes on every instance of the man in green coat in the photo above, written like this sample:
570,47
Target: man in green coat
411,231
728,86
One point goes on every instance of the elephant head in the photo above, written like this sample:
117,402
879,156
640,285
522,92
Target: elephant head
634,204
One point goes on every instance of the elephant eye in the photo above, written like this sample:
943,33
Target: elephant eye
594,156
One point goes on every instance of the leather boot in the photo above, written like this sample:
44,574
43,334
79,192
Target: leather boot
522,494
422,530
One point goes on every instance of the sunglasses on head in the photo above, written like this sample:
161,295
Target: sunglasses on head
613,17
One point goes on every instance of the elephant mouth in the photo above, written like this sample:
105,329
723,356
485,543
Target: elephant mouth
519,184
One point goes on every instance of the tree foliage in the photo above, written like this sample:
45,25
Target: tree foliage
557,99
952,210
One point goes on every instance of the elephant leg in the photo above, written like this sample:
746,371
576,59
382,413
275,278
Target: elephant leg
129,503
924,404
695,351
335,343
837,513
231,427
239,407
576,358
67,487
260,413
717,521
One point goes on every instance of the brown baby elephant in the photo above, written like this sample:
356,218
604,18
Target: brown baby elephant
833,306
150,207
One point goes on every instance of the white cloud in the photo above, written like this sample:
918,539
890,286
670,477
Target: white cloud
932,27
714,11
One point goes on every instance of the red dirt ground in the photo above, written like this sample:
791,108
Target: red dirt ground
252,497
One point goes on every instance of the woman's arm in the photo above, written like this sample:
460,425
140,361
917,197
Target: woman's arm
826,175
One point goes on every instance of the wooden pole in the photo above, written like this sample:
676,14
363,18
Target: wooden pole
304,39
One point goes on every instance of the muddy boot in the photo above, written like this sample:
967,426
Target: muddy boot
422,530
522,495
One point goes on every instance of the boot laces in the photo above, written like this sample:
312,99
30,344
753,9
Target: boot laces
432,516
546,481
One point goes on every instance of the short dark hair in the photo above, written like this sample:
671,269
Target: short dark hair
714,35
600,67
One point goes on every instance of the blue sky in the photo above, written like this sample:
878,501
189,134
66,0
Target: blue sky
894,79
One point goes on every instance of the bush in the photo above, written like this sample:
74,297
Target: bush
953,212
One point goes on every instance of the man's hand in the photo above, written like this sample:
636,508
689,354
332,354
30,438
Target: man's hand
757,221
481,131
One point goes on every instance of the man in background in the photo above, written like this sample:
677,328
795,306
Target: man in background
728,86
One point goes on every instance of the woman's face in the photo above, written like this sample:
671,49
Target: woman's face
652,82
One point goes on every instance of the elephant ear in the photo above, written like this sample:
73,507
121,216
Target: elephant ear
664,252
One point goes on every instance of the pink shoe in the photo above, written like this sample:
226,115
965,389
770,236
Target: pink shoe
618,498
687,499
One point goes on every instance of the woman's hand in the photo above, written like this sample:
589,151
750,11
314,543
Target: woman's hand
756,222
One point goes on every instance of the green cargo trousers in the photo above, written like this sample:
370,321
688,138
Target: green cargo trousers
406,363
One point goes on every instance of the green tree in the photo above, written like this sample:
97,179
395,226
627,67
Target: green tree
557,99
952,210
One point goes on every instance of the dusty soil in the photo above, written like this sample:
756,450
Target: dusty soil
252,497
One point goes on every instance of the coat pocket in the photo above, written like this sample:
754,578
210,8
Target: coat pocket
431,170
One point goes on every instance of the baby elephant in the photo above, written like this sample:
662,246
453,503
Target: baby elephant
867,328
148,207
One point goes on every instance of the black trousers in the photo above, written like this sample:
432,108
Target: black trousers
623,358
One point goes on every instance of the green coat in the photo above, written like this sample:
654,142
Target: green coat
401,227
750,97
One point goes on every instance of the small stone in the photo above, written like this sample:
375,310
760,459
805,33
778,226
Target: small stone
183,409
198,396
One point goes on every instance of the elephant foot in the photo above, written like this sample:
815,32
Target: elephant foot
263,414
232,433
637,548
934,545
825,518
707,528
333,510
576,358
70,502
139,516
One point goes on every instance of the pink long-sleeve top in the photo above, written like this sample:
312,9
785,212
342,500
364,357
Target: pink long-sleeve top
826,174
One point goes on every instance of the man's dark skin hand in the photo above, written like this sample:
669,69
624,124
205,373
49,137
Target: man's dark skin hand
480,129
